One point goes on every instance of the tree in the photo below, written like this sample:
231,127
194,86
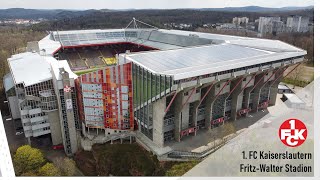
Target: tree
49,170
227,129
30,173
66,166
27,159
296,75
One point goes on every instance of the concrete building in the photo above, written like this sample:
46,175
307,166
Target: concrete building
35,91
282,88
166,84
228,26
240,21
297,24
293,101
268,25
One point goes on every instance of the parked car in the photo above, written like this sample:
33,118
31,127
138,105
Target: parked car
19,133
56,147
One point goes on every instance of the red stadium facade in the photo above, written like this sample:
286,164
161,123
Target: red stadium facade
105,98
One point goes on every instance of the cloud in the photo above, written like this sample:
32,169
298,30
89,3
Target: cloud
146,4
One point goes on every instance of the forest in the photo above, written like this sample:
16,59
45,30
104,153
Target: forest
120,19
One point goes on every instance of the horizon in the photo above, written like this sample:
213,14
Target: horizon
156,8
145,4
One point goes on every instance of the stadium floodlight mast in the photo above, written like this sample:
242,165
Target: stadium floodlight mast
135,25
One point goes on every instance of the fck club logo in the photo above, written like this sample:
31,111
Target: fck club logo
293,132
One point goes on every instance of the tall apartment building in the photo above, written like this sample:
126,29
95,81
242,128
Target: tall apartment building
270,25
240,21
297,24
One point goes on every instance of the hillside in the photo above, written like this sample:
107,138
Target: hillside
119,19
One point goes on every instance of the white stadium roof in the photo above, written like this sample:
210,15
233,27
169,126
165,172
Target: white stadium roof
190,62
182,54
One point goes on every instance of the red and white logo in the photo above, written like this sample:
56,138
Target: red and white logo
293,132
67,89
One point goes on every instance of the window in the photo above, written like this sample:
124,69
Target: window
186,94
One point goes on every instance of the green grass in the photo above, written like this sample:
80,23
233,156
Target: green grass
299,83
181,168
86,71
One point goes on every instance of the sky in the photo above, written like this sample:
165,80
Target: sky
146,4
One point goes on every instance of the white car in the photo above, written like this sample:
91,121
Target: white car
19,133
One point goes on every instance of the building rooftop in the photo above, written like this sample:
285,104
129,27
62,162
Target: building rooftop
293,98
32,68
29,68
283,87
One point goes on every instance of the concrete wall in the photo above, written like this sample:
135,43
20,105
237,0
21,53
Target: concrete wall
258,85
158,115
177,115
274,88
237,95
14,107
55,127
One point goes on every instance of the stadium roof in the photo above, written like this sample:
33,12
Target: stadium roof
182,54
195,61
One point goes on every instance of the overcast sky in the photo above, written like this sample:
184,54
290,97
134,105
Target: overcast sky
144,4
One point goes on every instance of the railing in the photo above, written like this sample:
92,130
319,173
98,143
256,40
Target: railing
244,111
219,120
188,131
263,105
196,155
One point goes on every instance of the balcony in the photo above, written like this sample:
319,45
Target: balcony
38,119
26,128
26,120
35,111
40,126
40,132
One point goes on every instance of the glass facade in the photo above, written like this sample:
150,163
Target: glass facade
147,87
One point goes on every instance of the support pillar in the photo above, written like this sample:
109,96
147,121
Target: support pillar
208,107
195,113
178,115
273,91
235,96
257,87
29,140
158,121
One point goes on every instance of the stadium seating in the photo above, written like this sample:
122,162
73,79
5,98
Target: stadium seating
96,56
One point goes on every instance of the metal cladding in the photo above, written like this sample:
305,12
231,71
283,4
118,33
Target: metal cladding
107,98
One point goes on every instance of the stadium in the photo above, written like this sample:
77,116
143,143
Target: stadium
155,85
